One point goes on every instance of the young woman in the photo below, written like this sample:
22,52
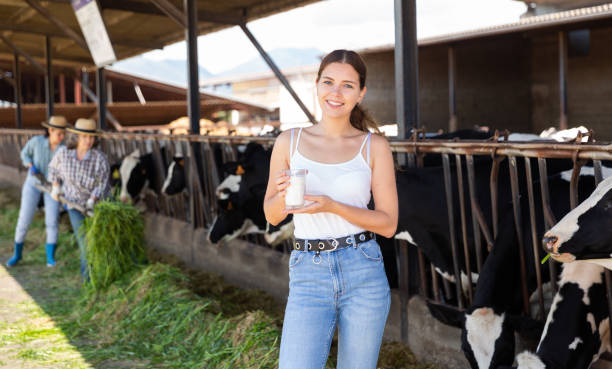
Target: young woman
83,172
36,155
336,272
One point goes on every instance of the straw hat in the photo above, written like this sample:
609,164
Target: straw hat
85,126
56,121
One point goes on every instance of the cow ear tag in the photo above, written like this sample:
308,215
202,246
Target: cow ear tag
229,205
144,171
182,162
116,174
239,170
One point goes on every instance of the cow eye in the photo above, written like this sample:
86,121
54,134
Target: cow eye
608,205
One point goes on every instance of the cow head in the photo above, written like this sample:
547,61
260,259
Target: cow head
175,179
583,233
487,340
487,337
133,177
227,190
229,225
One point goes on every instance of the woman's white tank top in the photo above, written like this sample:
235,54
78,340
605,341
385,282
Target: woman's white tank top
348,182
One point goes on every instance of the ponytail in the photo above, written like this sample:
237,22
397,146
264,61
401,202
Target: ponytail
362,120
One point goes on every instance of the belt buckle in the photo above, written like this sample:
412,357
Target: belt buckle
334,242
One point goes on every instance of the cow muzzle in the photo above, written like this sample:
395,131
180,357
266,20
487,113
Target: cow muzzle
551,244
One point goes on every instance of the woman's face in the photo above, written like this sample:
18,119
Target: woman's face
56,135
85,142
338,90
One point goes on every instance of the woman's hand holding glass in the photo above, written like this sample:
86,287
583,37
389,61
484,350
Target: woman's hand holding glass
318,204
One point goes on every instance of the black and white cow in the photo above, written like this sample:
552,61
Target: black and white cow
138,173
489,324
175,179
584,233
240,197
577,329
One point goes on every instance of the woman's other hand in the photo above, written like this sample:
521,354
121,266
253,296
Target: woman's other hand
282,181
55,192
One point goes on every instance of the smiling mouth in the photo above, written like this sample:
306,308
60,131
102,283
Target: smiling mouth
334,104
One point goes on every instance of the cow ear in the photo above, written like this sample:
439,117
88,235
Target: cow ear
527,327
447,314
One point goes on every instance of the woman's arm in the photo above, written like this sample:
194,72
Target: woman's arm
27,153
102,174
274,201
53,171
381,220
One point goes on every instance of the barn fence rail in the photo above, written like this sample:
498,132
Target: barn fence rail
198,205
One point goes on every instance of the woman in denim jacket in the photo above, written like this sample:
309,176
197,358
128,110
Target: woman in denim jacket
36,155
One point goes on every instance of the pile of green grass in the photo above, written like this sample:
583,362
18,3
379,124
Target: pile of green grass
151,315
115,241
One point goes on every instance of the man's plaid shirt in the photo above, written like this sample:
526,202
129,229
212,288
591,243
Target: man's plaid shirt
81,179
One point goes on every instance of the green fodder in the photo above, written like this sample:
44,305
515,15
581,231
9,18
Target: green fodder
397,355
151,315
115,241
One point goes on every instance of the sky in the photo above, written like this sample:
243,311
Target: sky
347,24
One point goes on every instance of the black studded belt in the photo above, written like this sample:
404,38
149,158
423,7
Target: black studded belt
331,244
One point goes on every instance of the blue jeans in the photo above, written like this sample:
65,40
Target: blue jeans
76,220
346,288
29,202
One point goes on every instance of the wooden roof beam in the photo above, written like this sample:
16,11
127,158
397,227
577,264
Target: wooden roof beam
171,11
147,8
19,51
30,30
59,24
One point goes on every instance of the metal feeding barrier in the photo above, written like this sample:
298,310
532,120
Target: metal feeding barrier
459,159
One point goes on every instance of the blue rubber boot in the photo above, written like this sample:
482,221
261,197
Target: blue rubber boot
50,248
17,256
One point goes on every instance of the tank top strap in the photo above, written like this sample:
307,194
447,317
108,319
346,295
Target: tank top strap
291,143
366,140
293,146
297,141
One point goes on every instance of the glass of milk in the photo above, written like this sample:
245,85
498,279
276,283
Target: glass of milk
294,198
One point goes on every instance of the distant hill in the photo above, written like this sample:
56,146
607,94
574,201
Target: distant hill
175,71
284,58
170,70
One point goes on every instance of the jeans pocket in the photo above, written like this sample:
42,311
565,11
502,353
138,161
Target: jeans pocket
295,258
370,250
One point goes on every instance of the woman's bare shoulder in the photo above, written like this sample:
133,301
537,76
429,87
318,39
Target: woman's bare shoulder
380,143
283,139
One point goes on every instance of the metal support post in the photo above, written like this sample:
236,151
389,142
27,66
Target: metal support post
100,87
49,90
406,67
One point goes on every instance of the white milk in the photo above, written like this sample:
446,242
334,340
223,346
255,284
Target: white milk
295,192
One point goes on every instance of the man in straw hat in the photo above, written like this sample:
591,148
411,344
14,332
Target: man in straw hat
84,175
36,155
